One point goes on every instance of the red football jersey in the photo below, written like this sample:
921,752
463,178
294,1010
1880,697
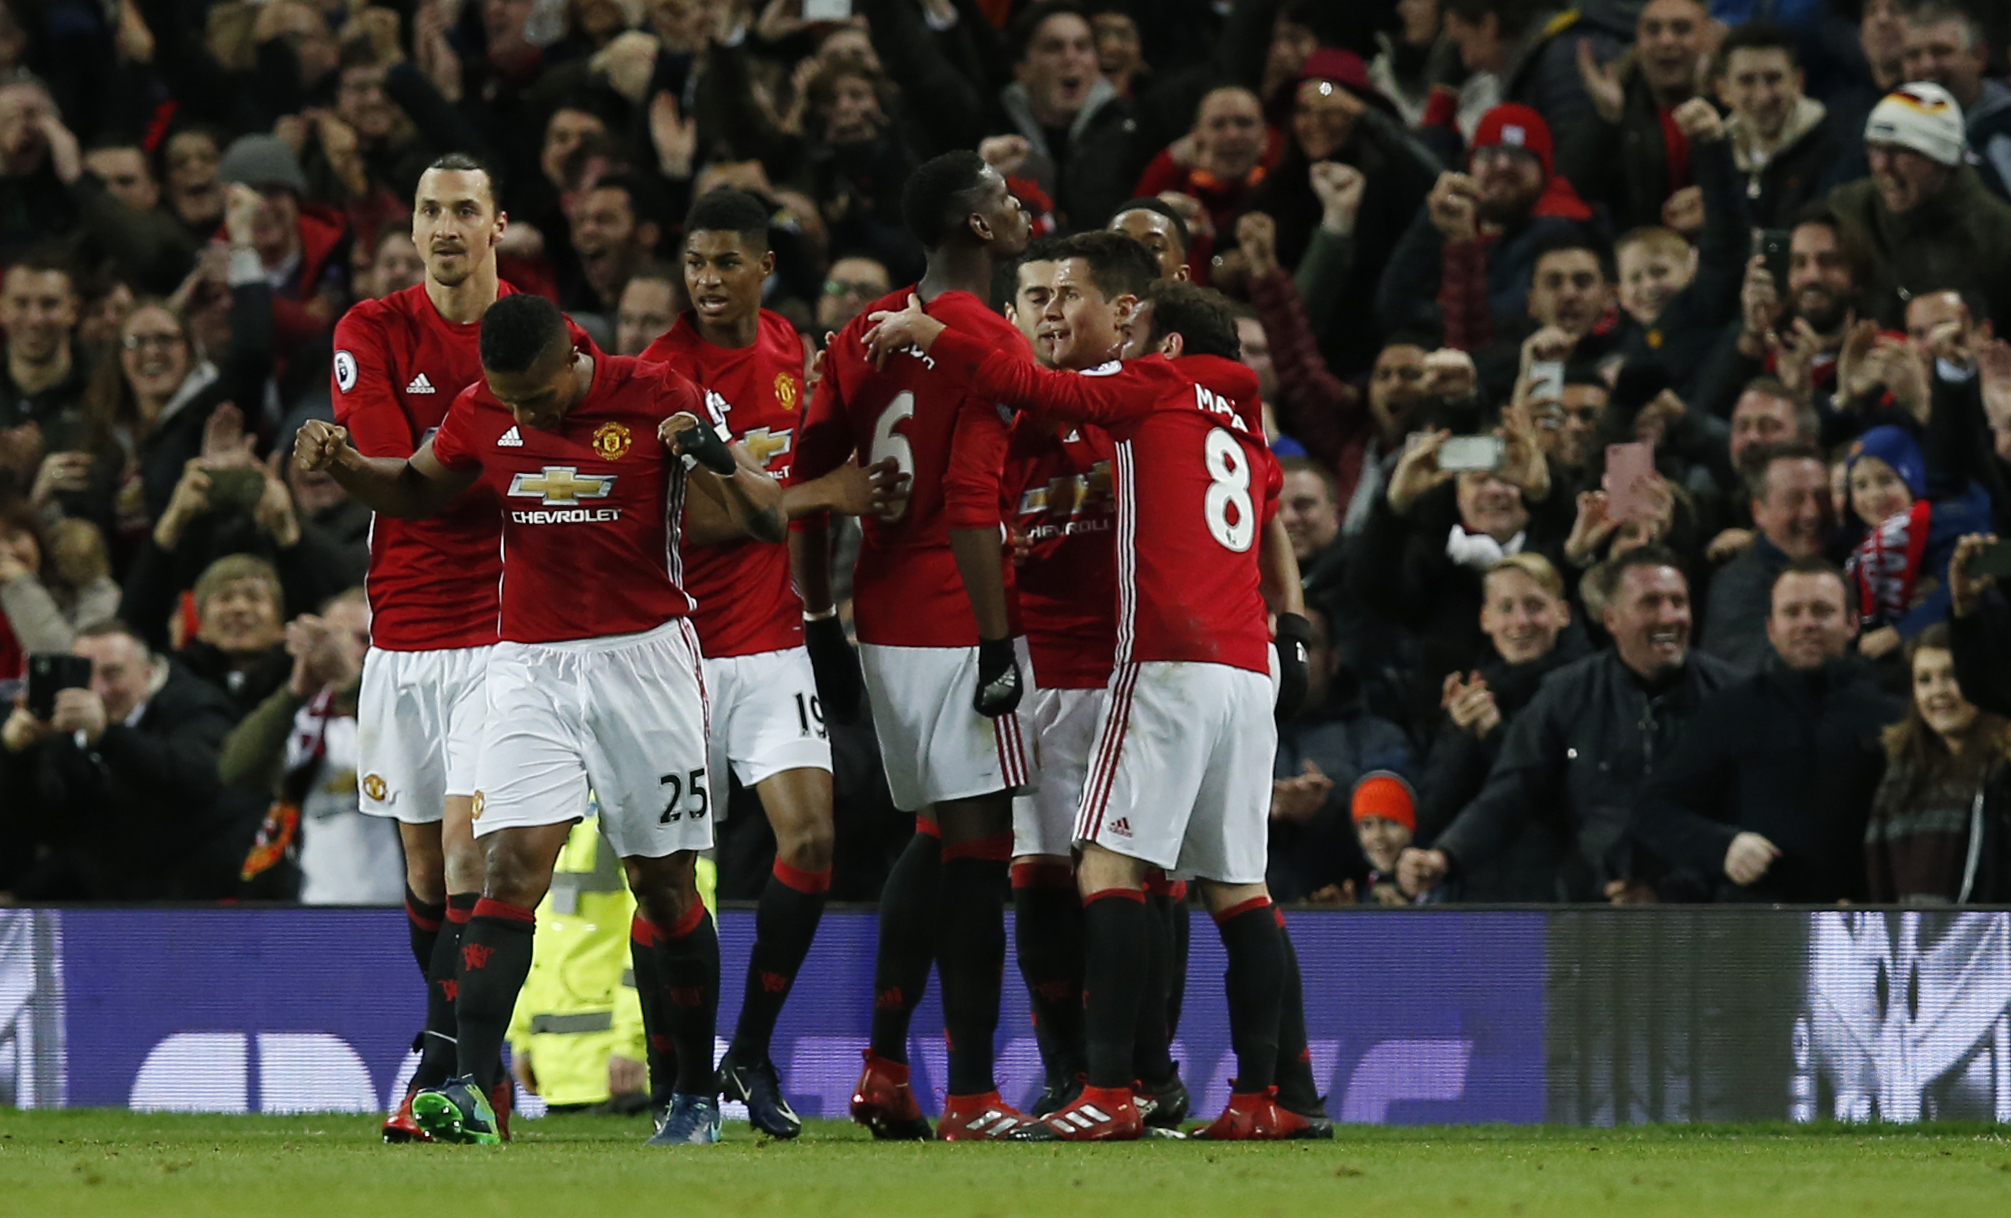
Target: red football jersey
1187,579
591,512
746,602
1063,505
1236,384
906,591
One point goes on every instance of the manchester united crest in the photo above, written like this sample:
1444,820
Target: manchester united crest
611,441
376,788
785,391
475,813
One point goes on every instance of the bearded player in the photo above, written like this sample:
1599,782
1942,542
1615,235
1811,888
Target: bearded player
596,680
399,363
936,647
1180,776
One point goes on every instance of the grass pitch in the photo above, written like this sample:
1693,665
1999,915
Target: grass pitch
108,1162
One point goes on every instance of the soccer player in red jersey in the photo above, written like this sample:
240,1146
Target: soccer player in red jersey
767,720
596,679
399,362
935,645
1180,777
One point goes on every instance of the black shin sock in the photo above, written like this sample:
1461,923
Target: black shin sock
1151,1057
1048,936
1118,927
1256,983
688,962
971,957
784,924
907,946
647,966
495,959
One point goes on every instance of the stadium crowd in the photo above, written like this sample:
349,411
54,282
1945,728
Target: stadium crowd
1634,367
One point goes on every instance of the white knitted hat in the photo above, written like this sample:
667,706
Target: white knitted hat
1920,116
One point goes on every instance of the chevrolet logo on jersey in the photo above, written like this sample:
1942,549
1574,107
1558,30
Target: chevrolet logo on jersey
563,487
1067,496
762,444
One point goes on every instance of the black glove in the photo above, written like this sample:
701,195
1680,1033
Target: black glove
836,666
703,445
998,678
1295,634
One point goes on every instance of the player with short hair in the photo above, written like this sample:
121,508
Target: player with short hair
767,719
1180,777
936,647
400,361
596,680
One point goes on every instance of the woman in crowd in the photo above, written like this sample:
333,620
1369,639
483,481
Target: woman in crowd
49,587
1940,828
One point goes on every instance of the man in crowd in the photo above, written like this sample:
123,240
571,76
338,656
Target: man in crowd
1788,489
1577,755
853,282
650,303
613,233
1924,215
1792,331
1946,45
1766,796
45,374
1631,157
1788,147
118,785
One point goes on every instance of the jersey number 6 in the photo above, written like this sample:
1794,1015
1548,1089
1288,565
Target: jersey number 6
890,440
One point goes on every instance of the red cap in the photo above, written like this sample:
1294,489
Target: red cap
1382,793
1516,126
1343,67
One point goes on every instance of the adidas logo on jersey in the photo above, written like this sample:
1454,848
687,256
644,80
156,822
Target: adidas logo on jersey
510,439
1121,827
420,385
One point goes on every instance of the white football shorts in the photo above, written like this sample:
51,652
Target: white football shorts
625,716
419,730
934,747
1181,773
1062,725
765,718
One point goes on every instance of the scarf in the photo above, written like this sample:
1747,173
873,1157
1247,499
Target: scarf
1886,565
279,834
1478,551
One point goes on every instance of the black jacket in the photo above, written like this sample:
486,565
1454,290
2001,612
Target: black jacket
1624,165
136,817
208,664
1982,648
1793,756
1735,617
1457,770
1575,761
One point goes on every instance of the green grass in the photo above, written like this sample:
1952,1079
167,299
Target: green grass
103,1162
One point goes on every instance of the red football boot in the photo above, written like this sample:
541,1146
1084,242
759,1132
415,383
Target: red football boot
882,1102
502,1097
1099,1114
1246,1119
400,1127
978,1118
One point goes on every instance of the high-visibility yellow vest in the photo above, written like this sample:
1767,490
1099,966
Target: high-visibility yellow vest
578,1006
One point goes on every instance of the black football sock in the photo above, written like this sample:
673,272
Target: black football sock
1256,983
495,959
1296,1089
907,940
688,958
971,956
647,969
1151,1054
784,924
1176,974
1048,936
422,927
437,1047
1118,931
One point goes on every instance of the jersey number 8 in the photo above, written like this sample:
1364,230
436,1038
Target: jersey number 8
1231,518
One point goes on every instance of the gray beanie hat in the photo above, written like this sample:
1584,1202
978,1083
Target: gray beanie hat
262,160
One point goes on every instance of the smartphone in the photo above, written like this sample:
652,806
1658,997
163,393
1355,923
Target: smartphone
1629,471
827,10
237,486
1772,245
1546,380
51,673
1993,559
1460,453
